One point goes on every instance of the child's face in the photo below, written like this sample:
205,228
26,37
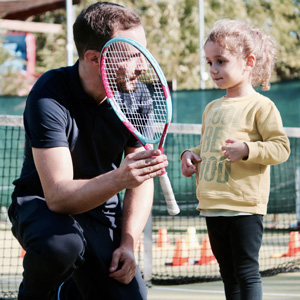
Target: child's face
226,70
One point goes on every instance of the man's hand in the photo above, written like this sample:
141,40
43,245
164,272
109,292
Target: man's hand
235,150
123,266
141,166
188,161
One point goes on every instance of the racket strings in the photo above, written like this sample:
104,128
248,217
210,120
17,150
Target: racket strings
136,89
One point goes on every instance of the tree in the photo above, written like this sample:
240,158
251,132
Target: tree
282,19
51,48
172,29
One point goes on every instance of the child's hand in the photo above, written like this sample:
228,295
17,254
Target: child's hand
235,150
188,161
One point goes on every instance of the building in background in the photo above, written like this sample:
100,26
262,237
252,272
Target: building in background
22,50
19,40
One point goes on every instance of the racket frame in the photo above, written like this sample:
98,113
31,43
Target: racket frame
110,95
172,206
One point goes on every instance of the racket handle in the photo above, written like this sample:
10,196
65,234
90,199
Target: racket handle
166,187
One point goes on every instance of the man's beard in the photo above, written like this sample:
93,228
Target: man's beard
127,83
127,86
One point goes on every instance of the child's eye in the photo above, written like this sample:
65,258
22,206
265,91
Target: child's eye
221,61
209,63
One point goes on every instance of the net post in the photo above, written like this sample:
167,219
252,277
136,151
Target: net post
148,251
297,182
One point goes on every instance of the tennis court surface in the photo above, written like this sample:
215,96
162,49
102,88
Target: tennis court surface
174,250
284,286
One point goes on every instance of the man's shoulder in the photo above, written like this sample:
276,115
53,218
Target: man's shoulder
60,85
57,77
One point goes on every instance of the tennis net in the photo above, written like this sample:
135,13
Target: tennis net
172,249
181,251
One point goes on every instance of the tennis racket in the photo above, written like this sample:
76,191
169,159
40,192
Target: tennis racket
137,90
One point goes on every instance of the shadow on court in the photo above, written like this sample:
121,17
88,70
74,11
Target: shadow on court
280,287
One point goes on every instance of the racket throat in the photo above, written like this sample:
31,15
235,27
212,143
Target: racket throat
148,147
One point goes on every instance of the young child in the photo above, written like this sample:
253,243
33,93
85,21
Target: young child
242,135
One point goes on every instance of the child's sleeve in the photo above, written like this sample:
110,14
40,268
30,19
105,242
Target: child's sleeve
274,148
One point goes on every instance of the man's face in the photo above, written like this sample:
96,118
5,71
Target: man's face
131,63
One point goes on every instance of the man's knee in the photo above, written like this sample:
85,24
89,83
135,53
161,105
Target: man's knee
56,255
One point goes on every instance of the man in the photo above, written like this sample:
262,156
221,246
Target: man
66,210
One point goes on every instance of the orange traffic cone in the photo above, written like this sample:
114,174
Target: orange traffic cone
294,245
181,255
163,238
22,253
207,257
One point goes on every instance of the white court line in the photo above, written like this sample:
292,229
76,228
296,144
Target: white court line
187,290
9,280
219,292
282,295
6,187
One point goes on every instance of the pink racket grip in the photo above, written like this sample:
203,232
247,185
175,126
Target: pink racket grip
166,187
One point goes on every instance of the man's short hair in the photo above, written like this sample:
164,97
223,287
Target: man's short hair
97,22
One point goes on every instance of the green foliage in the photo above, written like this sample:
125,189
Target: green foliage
172,29
281,18
51,48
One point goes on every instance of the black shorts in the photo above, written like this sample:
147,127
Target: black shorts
72,249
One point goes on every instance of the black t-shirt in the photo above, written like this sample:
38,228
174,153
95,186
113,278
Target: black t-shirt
59,113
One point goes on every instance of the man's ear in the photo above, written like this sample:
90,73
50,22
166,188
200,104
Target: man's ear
92,57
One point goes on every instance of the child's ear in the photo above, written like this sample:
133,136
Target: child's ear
250,61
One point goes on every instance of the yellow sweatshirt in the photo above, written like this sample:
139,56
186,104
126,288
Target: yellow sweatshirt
242,186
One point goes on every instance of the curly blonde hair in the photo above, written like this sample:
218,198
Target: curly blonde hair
244,40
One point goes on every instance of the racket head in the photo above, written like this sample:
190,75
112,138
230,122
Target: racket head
136,89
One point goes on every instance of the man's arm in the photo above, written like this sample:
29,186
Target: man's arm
136,210
65,195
